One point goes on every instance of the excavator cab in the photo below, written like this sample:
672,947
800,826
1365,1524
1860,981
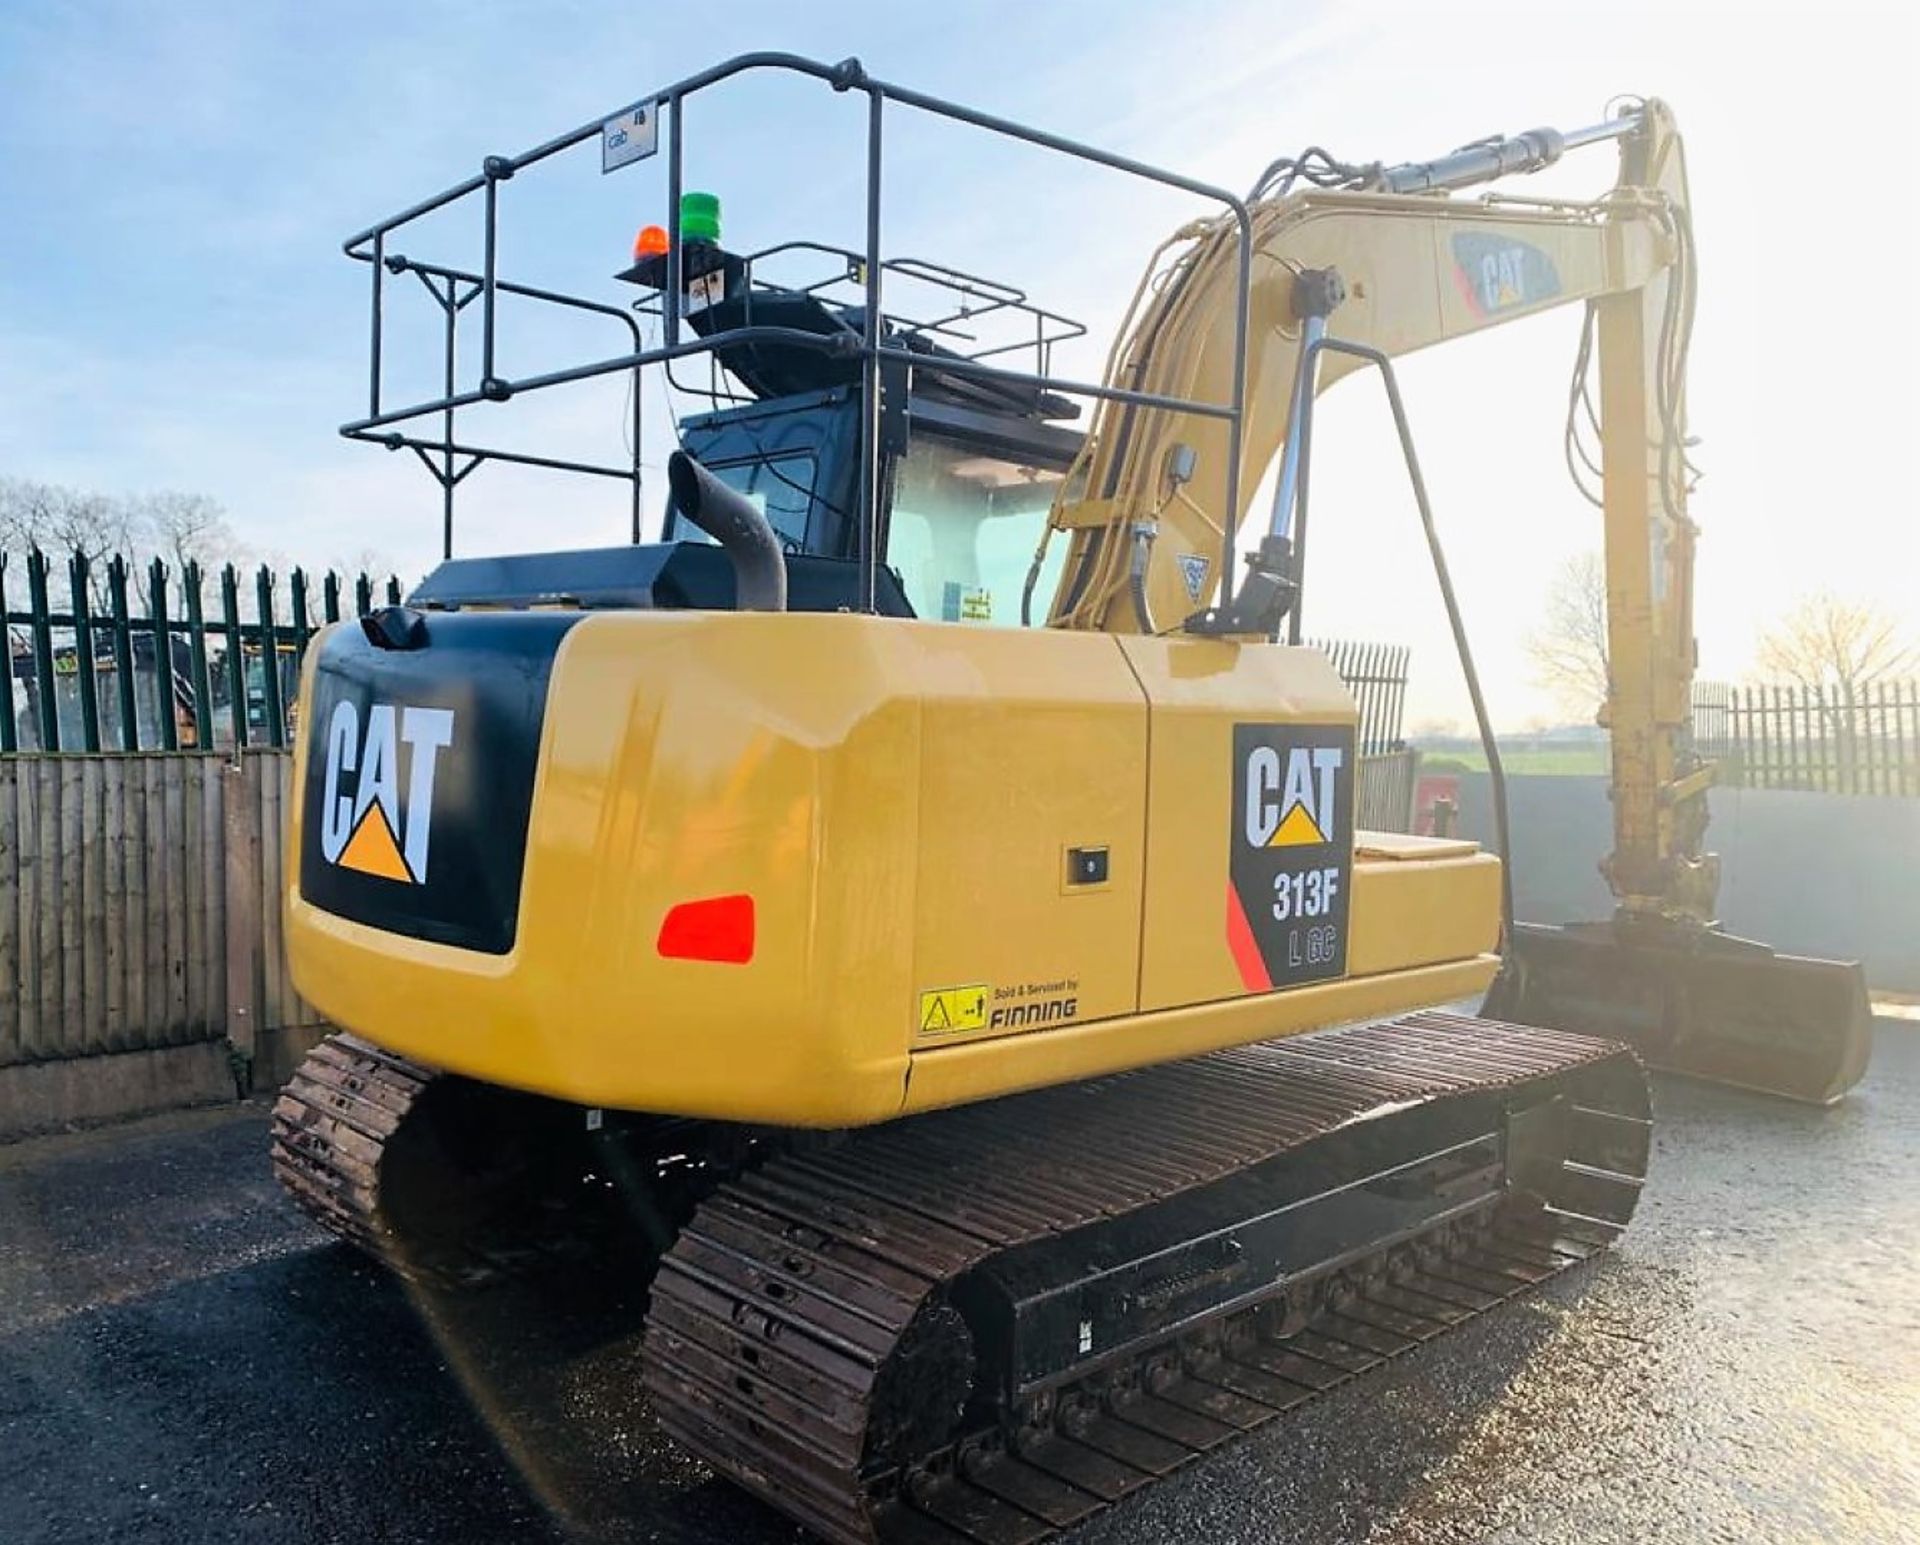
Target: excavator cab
968,467
966,495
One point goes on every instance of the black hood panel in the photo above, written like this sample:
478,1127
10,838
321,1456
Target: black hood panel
420,770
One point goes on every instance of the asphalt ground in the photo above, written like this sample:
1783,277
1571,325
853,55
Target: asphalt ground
182,1358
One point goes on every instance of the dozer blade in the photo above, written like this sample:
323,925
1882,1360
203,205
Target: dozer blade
1697,1002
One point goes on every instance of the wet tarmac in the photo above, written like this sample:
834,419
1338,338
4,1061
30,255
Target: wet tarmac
183,1359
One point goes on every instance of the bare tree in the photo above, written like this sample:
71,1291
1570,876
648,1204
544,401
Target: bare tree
1831,641
1569,648
185,528
178,528
60,520
371,561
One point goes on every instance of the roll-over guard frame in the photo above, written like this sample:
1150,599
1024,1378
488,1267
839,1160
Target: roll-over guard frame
451,459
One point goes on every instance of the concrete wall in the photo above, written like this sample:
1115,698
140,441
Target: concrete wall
1811,874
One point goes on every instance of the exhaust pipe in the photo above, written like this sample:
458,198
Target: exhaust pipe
759,566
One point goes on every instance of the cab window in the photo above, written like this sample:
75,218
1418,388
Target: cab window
964,526
779,487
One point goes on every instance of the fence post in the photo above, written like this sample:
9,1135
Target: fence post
269,660
43,649
1874,715
245,965
1369,697
236,656
1813,711
8,741
190,579
297,601
302,628
163,700
1736,741
1402,670
1901,714
78,577
1845,760
1778,722
123,654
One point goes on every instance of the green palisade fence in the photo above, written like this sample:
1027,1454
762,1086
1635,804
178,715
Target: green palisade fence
114,659
1831,739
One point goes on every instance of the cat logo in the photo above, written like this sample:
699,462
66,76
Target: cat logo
1497,274
1291,804
368,827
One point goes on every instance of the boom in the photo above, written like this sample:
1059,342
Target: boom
1420,270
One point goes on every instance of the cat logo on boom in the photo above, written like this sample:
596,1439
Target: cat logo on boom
1497,274
369,827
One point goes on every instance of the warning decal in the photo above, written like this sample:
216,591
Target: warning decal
947,1009
1193,570
1290,853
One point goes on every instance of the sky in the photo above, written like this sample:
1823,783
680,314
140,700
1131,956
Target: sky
175,310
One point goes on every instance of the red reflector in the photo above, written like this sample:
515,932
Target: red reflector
719,928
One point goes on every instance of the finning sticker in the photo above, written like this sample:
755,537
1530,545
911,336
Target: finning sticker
1291,852
1026,1004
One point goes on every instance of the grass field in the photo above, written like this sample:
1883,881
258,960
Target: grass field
1548,761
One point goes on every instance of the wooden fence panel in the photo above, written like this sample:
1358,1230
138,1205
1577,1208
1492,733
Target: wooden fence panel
23,780
10,931
114,929
121,1027
283,1005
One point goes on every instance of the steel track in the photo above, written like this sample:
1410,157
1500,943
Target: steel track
806,1301
331,1127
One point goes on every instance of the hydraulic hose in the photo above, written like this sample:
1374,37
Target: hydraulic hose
1143,533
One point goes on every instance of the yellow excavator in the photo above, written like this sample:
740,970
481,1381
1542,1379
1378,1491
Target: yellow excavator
914,985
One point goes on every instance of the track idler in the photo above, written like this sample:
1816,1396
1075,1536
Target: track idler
1695,1001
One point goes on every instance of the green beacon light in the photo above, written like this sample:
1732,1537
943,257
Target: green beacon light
700,217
